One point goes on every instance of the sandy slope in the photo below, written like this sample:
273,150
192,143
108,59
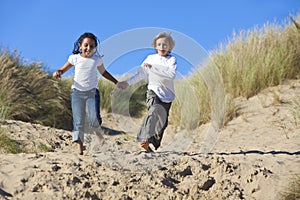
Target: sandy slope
255,157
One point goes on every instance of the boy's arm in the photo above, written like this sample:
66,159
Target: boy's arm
166,71
140,75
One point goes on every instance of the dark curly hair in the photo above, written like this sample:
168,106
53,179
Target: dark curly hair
78,42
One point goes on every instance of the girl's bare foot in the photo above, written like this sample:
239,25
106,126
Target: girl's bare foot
145,145
80,147
100,138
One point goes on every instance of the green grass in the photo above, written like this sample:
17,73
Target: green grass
8,145
43,148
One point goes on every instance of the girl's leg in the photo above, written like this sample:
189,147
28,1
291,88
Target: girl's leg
80,147
78,110
93,120
97,106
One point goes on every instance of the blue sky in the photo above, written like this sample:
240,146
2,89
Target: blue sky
46,30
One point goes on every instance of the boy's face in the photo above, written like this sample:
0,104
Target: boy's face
162,46
87,47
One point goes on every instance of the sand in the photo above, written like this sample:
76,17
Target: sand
256,156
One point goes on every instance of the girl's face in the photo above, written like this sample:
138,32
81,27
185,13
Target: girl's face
162,46
87,47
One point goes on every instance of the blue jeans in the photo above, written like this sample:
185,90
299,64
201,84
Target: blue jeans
97,104
80,101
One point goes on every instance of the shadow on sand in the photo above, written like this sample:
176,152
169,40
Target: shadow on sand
233,153
246,153
5,194
111,132
259,152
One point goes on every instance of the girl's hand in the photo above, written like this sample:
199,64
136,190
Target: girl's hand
57,74
147,65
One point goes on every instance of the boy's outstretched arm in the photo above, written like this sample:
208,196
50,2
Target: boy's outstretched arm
122,85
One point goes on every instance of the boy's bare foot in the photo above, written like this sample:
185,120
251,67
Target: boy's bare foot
145,145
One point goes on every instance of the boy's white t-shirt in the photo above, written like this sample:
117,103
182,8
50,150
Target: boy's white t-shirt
160,76
86,76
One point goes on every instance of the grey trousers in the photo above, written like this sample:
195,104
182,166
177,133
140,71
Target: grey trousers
156,120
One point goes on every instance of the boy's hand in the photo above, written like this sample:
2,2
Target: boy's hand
147,65
122,85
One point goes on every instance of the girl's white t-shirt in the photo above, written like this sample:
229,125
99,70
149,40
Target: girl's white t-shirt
86,76
160,76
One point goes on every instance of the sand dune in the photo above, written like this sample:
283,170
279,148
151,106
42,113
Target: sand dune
255,157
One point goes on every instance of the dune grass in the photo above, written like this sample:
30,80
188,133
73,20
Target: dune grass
29,94
259,58
130,101
247,63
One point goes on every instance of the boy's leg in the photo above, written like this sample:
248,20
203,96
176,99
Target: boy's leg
157,138
145,145
153,124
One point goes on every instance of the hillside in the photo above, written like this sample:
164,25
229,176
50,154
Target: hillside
256,155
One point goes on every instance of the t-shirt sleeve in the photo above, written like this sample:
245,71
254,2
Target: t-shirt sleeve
166,71
71,59
100,66
99,61
147,60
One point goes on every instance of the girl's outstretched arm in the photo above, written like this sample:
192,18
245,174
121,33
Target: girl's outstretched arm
63,69
106,74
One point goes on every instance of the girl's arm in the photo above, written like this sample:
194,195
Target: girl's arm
106,74
63,69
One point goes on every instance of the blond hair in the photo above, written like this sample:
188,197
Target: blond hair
167,36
